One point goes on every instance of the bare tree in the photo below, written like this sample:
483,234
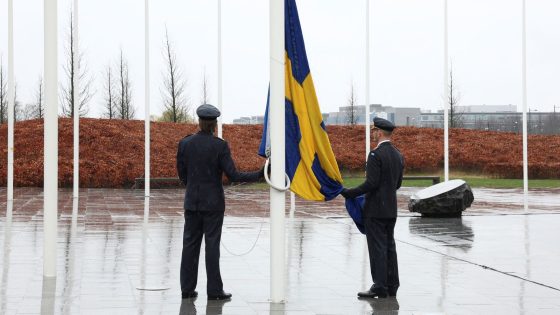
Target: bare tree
3,94
110,97
75,67
455,115
18,109
124,108
174,97
205,95
351,114
40,103
36,110
28,112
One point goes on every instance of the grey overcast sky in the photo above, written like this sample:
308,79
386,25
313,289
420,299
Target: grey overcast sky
407,49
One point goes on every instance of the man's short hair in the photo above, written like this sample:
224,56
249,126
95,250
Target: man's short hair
386,133
208,125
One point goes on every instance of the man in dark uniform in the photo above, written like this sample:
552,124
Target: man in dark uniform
202,159
384,174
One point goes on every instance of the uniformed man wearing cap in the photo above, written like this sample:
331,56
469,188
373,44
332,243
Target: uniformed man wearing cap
202,159
384,173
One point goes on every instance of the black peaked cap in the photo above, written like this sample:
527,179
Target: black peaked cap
207,111
383,124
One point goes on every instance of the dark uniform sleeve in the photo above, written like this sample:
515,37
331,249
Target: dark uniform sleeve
373,173
227,165
402,171
181,166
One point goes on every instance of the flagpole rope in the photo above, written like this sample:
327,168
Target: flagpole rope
252,247
267,178
283,189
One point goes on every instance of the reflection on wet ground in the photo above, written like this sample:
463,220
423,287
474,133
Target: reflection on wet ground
112,261
452,232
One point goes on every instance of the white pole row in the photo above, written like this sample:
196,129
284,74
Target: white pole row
76,82
147,99
51,138
368,134
277,125
277,137
11,100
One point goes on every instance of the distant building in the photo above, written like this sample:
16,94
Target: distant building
503,119
470,115
249,120
486,108
431,120
400,116
483,117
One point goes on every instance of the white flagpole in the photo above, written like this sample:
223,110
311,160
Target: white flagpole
220,135
51,138
147,100
524,88
11,100
76,102
277,138
292,203
368,134
445,93
146,210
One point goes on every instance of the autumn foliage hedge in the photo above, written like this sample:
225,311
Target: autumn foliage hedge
112,151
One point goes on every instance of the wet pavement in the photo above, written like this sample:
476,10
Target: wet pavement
496,259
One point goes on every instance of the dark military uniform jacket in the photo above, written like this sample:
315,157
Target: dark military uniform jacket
201,161
384,175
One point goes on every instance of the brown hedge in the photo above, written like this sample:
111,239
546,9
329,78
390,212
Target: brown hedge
112,151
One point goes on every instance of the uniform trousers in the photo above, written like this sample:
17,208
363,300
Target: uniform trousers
382,254
198,223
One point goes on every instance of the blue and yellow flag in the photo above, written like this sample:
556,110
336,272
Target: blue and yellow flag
310,161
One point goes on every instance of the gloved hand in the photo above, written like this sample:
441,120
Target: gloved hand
344,193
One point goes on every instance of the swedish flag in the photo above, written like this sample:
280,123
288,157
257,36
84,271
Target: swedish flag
310,161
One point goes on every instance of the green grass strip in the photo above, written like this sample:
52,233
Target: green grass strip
473,181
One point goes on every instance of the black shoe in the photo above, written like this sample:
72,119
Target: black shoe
369,294
219,296
191,295
392,291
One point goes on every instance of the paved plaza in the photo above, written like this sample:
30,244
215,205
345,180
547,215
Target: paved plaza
495,260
